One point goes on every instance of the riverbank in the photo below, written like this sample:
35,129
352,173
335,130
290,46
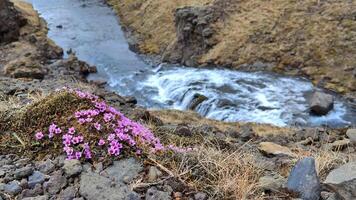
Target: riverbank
228,161
314,39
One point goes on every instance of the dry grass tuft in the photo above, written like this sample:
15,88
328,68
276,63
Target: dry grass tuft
221,173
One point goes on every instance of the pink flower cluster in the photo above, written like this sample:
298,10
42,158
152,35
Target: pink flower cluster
116,132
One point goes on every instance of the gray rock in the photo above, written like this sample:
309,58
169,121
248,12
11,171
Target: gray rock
2,172
94,186
351,133
46,166
13,188
124,171
24,183
346,172
43,197
200,196
272,183
68,193
55,183
23,172
304,180
154,194
36,178
72,167
153,174
321,103
38,190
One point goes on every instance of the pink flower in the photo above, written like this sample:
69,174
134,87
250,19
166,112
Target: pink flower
101,142
97,126
71,130
39,135
81,120
78,155
108,117
57,131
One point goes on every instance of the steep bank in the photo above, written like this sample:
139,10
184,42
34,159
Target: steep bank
310,38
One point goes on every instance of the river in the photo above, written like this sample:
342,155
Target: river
91,29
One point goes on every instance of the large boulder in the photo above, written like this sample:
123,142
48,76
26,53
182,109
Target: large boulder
321,103
304,180
197,99
10,22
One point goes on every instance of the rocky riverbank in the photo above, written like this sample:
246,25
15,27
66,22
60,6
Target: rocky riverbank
315,39
228,160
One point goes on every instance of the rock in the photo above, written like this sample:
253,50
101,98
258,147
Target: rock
346,172
183,130
328,196
10,22
197,99
23,172
321,103
304,180
351,133
124,170
2,172
94,186
270,148
13,188
25,68
68,193
153,174
38,190
24,183
43,197
46,166
271,183
200,196
72,167
154,194
55,183
36,178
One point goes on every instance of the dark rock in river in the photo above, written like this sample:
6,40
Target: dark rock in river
197,99
321,103
304,180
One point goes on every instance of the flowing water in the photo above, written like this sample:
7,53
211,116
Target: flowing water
91,29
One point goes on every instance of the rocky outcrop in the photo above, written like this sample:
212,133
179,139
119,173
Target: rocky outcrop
321,103
10,22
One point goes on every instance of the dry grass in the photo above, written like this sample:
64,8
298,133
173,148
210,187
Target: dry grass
222,174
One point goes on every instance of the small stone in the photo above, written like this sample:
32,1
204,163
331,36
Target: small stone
46,167
270,148
200,196
304,180
272,183
24,183
13,188
351,133
154,194
55,183
43,197
23,172
153,174
35,178
346,172
72,167
124,170
68,193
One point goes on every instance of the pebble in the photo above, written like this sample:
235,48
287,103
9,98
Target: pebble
200,196
72,167
153,174
36,178
23,172
13,188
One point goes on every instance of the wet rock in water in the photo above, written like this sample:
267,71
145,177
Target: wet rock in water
197,99
72,167
270,148
23,172
36,178
154,194
321,103
13,188
271,183
131,100
94,186
153,174
124,170
351,133
304,181
346,172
